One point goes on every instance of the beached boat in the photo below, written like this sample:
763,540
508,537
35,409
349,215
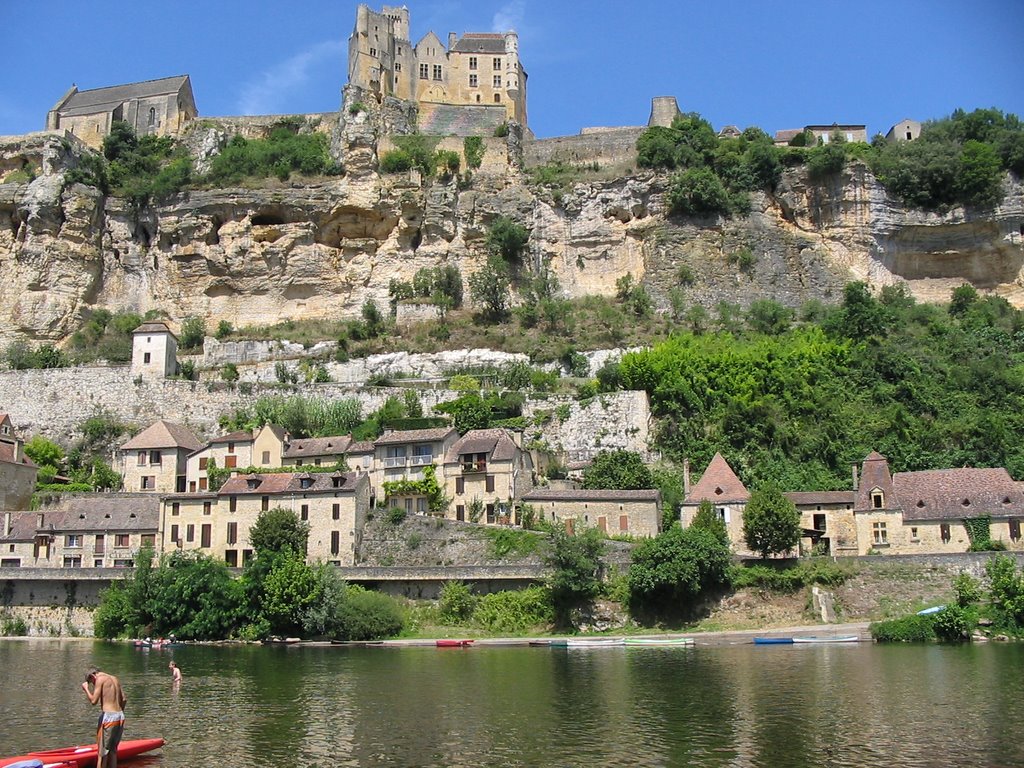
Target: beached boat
85,755
587,642
827,639
773,641
453,643
659,642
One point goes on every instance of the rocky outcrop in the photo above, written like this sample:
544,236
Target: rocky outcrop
260,256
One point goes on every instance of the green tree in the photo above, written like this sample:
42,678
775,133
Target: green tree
47,455
708,520
489,288
670,573
618,470
698,192
193,330
278,530
771,522
507,238
290,590
576,566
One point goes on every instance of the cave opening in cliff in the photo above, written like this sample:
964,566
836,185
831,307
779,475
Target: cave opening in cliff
417,238
267,220
213,236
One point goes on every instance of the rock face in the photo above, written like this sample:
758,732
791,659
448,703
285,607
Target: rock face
290,251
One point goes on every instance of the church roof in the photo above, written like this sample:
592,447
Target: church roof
99,99
718,484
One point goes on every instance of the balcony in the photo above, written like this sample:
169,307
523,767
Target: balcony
474,467
395,461
423,460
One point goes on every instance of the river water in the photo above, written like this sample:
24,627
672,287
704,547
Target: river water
739,705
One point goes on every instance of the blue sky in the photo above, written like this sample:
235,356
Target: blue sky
746,62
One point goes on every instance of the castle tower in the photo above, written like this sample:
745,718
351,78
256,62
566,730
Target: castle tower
154,351
664,109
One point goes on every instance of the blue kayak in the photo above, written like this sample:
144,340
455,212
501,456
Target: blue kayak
773,641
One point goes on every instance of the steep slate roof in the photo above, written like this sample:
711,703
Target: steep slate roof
104,512
498,442
163,434
23,527
955,494
581,494
806,498
288,482
317,446
718,484
480,42
415,436
874,473
154,326
96,99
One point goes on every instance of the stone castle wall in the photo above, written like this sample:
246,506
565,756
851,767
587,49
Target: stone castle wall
260,126
606,147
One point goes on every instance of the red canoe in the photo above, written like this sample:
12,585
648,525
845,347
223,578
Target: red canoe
454,643
85,756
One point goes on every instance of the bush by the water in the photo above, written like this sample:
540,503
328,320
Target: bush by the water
803,574
908,629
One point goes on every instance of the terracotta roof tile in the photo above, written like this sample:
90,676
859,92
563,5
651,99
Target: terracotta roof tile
498,442
718,484
317,446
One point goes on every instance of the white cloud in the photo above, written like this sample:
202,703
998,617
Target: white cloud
265,94
509,16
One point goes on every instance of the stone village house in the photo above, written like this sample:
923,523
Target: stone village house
920,512
17,471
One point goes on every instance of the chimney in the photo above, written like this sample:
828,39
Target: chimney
854,468
452,38
7,523
686,478
39,521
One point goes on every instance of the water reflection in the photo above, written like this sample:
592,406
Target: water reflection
707,706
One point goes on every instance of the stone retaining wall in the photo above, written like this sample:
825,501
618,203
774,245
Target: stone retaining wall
611,147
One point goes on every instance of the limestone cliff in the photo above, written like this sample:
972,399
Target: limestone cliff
320,250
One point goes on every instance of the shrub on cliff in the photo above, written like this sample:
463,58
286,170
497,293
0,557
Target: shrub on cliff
698,192
281,154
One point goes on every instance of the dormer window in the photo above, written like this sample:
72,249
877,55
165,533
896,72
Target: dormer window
877,499
1006,500
306,482
920,503
719,491
253,483
337,481
965,503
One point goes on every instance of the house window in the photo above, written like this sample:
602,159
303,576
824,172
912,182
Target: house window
490,483
472,62
190,533
424,71
154,457
175,509
232,533
266,457
623,522
73,540
421,506
335,542
100,544
306,482
232,503
145,357
122,540
264,503
207,507
944,533
877,500
147,540
305,512
472,81
723,514
142,458
497,98
437,71
147,482
203,483
496,63
1014,529
231,447
96,563
497,81
336,511
878,534
72,561
819,523
174,534
205,535
230,461
602,524
203,462
460,485
913,534
231,558
460,513
490,514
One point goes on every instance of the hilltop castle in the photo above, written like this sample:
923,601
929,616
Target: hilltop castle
479,69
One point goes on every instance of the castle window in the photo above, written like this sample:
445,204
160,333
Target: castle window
472,62
472,81
497,63
424,71
373,51
879,535
877,500
152,117
497,81
437,71
398,66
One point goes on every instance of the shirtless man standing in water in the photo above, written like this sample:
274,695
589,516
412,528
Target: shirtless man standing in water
106,691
